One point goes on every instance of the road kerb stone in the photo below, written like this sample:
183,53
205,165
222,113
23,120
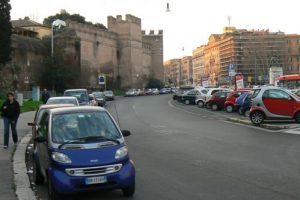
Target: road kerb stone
21,180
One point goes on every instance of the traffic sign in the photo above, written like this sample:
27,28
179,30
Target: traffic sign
101,80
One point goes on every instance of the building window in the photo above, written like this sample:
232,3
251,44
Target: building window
289,50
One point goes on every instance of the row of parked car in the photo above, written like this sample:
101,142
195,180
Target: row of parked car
81,97
258,104
149,91
79,148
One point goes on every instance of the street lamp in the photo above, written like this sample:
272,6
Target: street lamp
57,23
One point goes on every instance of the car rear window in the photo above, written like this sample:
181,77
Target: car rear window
255,93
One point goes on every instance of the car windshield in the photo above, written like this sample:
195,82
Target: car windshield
98,94
61,101
80,95
108,92
72,126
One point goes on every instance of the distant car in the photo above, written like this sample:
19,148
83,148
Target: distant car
274,103
164,91
230,101
109,95
63,100
181,91
100,98
149,91
140,92
131,93
81,94
216,102
211,91
81,150
191,96
155,91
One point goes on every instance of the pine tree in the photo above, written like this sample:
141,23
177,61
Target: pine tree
5,32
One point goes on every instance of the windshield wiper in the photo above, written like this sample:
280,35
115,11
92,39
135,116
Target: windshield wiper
89,138
74,141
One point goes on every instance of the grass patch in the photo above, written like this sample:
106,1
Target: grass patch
30,106
119,92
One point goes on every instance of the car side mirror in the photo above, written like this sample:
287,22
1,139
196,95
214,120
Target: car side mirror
126,133
40,139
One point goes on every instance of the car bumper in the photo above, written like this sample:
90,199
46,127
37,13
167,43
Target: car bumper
66,184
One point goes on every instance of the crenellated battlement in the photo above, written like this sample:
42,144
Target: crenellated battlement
119,19
152,33
90,29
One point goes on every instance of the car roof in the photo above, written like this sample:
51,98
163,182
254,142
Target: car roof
76,109
70,90
50,106
63,97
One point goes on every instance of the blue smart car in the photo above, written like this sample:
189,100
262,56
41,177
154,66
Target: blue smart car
81,149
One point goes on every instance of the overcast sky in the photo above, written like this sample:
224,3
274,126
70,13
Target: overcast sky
189,23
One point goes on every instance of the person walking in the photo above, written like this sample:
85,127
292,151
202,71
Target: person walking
45,96
10,111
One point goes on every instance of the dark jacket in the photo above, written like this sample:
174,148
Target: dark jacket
45,96
12,110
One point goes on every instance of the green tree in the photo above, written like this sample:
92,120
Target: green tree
57,74
73,17
5,32
155,83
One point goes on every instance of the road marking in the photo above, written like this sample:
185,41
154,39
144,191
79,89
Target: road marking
293,131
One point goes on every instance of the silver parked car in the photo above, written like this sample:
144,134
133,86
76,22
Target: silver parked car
63,100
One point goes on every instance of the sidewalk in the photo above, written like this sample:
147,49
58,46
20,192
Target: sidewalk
7,189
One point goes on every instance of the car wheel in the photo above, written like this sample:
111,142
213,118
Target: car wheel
129,191
200,104
214,107
52,194
187,102
37,174
257,117
247,112
241,112
297,117
229,108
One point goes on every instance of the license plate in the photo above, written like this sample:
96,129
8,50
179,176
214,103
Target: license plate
95,180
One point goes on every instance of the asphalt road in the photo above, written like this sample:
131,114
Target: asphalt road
179,155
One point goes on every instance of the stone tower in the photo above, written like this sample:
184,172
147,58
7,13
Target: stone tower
130,48
156,42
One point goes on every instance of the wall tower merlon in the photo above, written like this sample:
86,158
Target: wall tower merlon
160,32
133,19
119,18
143,32
151,32
111,20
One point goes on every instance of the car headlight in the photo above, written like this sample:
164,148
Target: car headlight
61,158
121,153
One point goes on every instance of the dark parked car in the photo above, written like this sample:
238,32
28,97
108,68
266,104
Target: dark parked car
217,101
100,98
191,96
109,95
181,91
81,94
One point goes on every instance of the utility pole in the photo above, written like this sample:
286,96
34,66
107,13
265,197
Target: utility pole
255,68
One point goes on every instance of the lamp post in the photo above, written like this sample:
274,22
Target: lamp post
57,23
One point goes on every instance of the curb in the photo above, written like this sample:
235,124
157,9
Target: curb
21,180
266,126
